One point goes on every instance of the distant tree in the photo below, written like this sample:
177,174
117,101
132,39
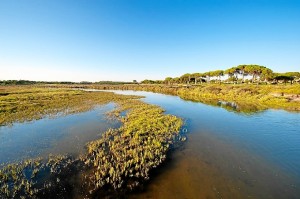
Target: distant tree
168,80
232,79
231,72
266,74
208,75
147,81
219,74
294,75
176,80
284,78
242,71
254,70
185,78
85,82
258,73
195,77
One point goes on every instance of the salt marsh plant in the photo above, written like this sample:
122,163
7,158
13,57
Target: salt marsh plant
30,178
120,160
19,104
123,157
249,98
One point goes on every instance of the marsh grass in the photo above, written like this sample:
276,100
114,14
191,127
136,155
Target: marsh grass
120,161
123,158
19,104
249,98
31,178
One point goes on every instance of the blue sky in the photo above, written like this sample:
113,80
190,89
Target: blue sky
76,40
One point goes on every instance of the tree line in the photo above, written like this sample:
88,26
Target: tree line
237,74
28,82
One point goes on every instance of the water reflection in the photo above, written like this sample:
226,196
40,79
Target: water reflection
230,155
227,155
231,105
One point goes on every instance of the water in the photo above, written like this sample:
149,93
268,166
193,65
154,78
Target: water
61,135
227,155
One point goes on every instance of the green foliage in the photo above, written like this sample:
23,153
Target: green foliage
258,73
168,80
121,159
114,82
249,97
27,82
146,81
30,178
185,78
18,104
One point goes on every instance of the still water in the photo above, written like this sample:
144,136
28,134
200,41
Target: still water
59,135
227,154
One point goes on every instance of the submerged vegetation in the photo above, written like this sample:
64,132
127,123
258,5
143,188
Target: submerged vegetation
120,160
34,178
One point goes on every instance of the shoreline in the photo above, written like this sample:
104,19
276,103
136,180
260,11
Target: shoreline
249,98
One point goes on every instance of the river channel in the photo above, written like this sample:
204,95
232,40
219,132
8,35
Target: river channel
227,154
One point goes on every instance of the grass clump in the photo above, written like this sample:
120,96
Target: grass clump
123,157
32,178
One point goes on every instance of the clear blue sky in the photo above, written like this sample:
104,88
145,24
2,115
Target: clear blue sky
76,40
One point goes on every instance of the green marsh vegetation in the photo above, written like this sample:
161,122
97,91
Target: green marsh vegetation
35,178
124,157
119,161
25,103
252,87
248,97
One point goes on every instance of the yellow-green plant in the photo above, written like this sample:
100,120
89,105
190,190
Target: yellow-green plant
123,157
249,97
19,104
